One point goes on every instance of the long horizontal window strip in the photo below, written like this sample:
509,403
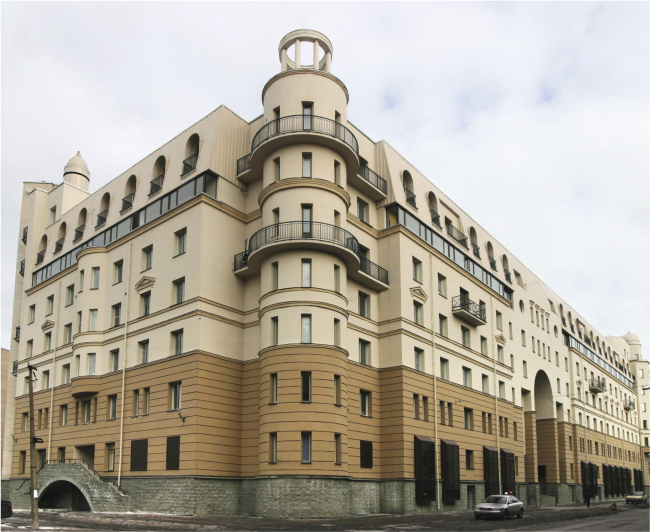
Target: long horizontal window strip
397,215
204,184
571,342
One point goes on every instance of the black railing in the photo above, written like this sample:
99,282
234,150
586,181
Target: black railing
508,276
24,238
466,304
17,337
457,235
374,270
493,263
79,233
156,185
435,217
90,468
14,367
127,202
58,245
628,404
373,178
22,268
40,256
189,164
101,218
597,384
243,164
563,321
410,197
476,250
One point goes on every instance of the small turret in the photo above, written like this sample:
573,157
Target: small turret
76,172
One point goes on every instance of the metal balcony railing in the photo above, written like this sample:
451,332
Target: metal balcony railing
40,256
564,321
466,304
508,276
493,263
14,368
435,217
22,268
127,202
628,404
58,245
189,164
457,235
374,270
410,197
373,178
476,250
597,385
24,237
101,218
17,337
79,232
156,185
243,164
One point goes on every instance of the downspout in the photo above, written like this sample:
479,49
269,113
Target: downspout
126,326
433,372
496,400
52,383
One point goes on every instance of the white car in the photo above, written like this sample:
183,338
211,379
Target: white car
502,506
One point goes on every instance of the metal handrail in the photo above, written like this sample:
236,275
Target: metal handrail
244,163
457,235
373,178
374,270
598,383
189,164
79,232
507,276
410,197
156,184
493,264
14,368
435,217
17,337
58,245
21,271
628,404
40,256
90,468
24,238
127,201
476,249
101,218
465,303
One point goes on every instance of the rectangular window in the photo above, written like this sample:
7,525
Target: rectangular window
305,454
305,328
425,407
442,285
467,377
306,273
63,416
110,456
29,348
337,279
485,384
525,369
112,406
32,314
79,318
276,168
136,403
173,453
450,414
65,374
364,304
502,390
147,258
443,325
337,449
465,336
469,419
143,348
147,400
177,342
45,385
499,321
444,369
81,280
363,211
114,360
364,352
52,214
510,329
443,413
67,333
179,290
117,272
275,280
365,454
181,241
274,330
418,313
337,390
117,312
500,354
419,359
49,305
305,386
69,295
337,332
512,362
416,406
417,270
484,346
139,455
365,399
523,338
469,459
145,304
273,388
91,363
92,319
273,447
175,396
306,165
94,278
85,406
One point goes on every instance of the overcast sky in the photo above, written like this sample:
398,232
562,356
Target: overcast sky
533,117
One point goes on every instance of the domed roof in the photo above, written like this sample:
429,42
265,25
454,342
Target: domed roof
77,165
632,339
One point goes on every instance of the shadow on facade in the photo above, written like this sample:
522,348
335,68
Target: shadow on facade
63,495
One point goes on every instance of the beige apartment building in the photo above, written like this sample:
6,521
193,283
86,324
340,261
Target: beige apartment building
283,317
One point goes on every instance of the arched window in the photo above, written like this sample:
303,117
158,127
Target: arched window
570,320
490,252
58,246
103,210
408,188
129,193
433,208
191,154
81,225
42,248
506,269
158,175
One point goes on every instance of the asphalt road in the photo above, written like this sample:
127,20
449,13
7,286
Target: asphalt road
596,518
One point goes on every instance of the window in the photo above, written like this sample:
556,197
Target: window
416,406
306,273
274,330
175,396
500,354
306,165
117,311
465,336
337,279
337,449
273,447
469,419
485,384
305,386
114,360
484,346
363,211
31,316
337,390
91,363
63,416
49,305
112,406
512,362
276,168
79,318
502,390
419,359
364,304
179,290
274,276
273,388
46,380
442,285
145,303
22,459
147,257
365,400
147,400
305,448
81,280
417,270
139,452
444,369
499,321
65,374
305,328
525,369
47,341
425,407
418,313
85,407
337,332
177,342
25,422
29,348
180,238
143,351
510,329
94,278
365,454
110,456
559,390
92,319
117,272
53,214
69,295
443,325
364,352
467,377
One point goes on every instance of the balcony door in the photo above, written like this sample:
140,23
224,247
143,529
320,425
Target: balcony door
307,225
307,112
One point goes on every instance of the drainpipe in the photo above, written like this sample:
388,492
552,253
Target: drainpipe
126,326
433,372
53,381
496,400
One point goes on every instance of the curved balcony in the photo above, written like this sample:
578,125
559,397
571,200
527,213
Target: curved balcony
295,129
85,386
310,235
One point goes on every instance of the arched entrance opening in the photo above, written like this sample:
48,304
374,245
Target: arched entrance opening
546,430
63,495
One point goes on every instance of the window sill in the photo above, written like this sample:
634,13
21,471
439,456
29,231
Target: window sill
94,288
178,255
118,282
145,270
272,463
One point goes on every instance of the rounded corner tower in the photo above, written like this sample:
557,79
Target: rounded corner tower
76,172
